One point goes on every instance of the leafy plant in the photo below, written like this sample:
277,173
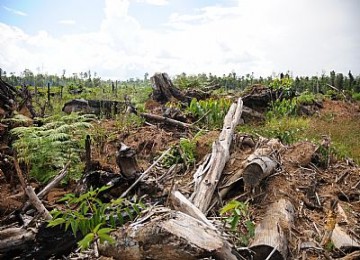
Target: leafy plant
91,217
281,108
184,152
45,149
212,111
236,213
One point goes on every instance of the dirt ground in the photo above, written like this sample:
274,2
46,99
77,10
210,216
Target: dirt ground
308,186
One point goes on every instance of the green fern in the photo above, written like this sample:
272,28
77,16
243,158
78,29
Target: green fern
47,148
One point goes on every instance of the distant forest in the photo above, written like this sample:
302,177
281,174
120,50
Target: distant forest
88,79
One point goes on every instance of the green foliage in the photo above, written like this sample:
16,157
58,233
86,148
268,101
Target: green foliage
212,111
356,96
306,98
87,213
184,152
281,108
284,84
47,148
236,213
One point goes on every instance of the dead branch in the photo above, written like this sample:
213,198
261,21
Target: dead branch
35,201
165,120
205,185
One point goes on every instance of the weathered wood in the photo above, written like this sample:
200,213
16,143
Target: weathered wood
181,203
342,240
207,180
257,169
126,161
35,201
165,120
175,236
164,90
271,233
15,238
58,178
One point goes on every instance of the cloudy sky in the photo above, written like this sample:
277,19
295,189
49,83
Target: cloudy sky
120,39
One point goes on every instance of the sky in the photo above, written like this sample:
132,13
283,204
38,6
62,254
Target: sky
122,39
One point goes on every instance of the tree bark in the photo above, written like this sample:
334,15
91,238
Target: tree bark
164,90
15,238
37,203
207,180
126,161
271,234
165,120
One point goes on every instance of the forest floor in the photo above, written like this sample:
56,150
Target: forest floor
310,188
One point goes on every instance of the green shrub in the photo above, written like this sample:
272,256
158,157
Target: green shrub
356,96
91,217
212,111
46,149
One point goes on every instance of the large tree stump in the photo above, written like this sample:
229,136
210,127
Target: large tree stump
174,235
164,90
271,234
126,161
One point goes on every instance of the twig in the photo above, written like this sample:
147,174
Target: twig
271,253
19,173
145,173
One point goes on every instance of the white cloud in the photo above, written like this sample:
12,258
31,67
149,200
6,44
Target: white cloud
154,2
17,12
67,22
253,36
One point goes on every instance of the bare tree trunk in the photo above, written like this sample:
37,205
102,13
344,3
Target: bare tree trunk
271,233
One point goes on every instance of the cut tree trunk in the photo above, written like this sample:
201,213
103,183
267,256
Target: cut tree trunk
174,235
271,234
164,90
207,179
126,161
257,169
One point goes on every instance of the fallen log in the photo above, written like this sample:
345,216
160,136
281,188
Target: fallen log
270,241
15,238
207,179
166,120
174,235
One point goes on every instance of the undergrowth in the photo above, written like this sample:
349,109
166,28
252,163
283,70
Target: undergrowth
46,149
92,218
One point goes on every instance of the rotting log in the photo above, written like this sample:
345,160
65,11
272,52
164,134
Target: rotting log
174,235
271,233
207,180
126,161
266,148
164,90
257,169
15,238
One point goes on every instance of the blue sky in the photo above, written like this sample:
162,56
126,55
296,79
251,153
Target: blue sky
120,39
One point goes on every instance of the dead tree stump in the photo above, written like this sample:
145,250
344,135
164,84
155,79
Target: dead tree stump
164,90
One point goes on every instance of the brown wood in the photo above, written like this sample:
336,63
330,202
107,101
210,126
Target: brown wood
87,153
165,120
207,179
164,90
126,161
257,168
174,235
271,233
